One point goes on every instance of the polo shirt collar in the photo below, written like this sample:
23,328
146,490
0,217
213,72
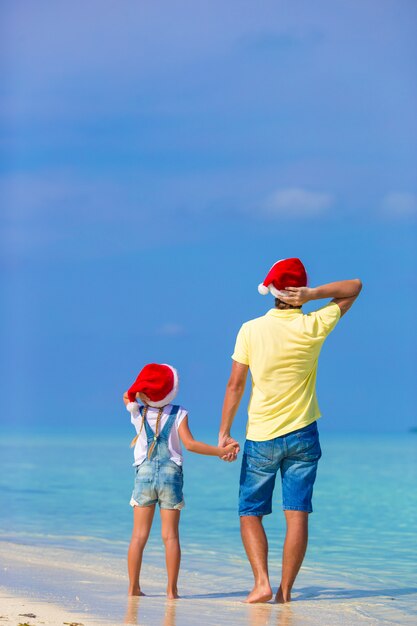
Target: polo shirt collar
284,312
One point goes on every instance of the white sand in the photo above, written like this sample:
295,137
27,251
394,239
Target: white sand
59,585
22,610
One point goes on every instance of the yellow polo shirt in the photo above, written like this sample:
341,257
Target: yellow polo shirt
282,350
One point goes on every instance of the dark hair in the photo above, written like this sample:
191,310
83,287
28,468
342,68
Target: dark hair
279,304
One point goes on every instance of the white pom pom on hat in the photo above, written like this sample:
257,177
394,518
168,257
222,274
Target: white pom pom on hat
133,408
262,289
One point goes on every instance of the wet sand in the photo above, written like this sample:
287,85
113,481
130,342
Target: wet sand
64,586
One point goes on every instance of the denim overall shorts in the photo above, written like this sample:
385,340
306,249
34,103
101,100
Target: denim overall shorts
158,479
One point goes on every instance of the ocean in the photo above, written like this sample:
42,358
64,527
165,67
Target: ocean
61,492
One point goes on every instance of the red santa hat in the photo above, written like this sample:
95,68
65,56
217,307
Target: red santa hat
284,273
159,383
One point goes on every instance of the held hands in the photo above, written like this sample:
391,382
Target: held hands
229,452
296,296
230,447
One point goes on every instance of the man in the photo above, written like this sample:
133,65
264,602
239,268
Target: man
281,349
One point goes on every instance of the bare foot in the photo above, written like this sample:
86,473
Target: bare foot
260,593
135,591
172,594
281,597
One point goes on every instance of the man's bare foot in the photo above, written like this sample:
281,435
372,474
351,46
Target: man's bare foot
260,593
172,594
281,597
135,591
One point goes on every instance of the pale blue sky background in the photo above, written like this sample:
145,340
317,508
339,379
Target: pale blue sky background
158,157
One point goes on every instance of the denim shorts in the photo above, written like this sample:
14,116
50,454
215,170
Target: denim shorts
158,483
296,455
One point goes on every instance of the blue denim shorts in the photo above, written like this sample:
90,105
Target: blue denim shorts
296,455
158,483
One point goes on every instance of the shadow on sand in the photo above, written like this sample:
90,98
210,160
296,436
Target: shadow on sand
220,595
317,593
329,593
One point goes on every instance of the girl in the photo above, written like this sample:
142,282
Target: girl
160,426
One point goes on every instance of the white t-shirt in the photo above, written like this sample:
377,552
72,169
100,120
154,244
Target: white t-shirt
174,443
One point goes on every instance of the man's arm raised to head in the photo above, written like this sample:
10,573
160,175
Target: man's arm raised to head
343,292
234,392
345,302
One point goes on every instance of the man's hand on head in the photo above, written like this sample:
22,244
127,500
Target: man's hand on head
225,440
296,296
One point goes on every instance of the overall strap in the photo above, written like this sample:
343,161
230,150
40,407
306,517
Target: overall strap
170,422
151,436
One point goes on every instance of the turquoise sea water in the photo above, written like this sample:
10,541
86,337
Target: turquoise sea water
75,494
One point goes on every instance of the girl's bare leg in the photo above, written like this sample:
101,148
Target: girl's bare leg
142,522
170,534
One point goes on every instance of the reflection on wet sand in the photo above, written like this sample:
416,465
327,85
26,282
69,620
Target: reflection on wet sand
132,612
285,615
270,615
256,614
170,610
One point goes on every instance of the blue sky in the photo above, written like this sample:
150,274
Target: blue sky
157,158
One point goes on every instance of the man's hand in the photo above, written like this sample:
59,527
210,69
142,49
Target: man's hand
226,440
296,296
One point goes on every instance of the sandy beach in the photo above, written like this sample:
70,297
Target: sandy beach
61,586
17,609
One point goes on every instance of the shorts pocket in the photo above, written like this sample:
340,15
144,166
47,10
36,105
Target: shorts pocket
307,445
171,473
258,453
144,474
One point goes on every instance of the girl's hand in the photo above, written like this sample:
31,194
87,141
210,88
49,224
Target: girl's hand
296,296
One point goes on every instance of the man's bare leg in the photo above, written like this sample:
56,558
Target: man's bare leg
256,546
295,546
142,522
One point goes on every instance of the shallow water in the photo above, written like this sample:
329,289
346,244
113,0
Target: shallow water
71,494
